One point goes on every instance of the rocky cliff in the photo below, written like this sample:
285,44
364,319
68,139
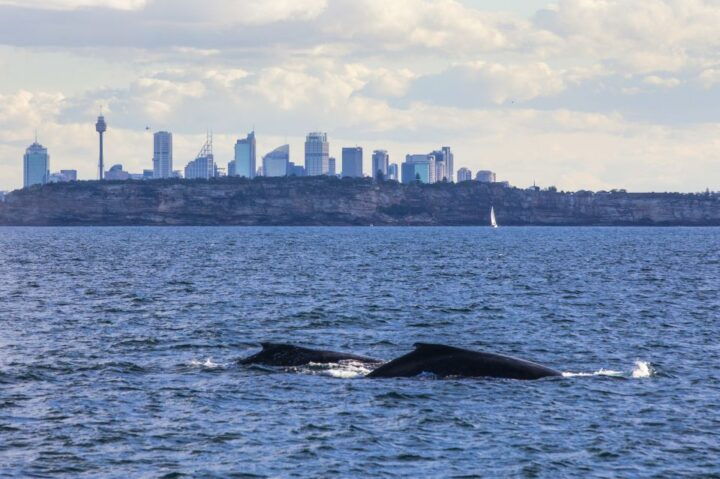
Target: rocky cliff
332,201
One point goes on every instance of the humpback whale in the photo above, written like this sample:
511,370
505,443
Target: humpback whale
444,361
275,354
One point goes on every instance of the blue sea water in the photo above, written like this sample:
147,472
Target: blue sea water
118,351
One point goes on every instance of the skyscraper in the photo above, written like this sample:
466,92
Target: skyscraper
463,174
204,165
317,154
246,156
332,166
101,128
393,172
380,160
162,155
352,162
36,165
276,162
449,163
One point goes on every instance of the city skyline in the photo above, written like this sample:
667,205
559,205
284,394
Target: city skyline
580,95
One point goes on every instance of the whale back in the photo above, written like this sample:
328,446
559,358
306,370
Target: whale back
447,361
278,354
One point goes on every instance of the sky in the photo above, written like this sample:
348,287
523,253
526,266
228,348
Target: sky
577,94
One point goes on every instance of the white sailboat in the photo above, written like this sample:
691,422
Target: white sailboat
493,221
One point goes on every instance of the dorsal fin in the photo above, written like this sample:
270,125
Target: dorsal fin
435,348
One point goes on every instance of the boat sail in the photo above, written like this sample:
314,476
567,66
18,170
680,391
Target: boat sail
493,221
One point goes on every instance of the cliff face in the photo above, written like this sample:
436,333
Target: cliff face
330,201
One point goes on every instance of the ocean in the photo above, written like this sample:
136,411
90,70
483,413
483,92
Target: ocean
119,348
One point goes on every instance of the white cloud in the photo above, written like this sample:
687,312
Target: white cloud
661,81
75,4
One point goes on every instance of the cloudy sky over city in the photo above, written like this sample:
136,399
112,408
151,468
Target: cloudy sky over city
581,94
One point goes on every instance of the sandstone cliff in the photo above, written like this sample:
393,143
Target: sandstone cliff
331,201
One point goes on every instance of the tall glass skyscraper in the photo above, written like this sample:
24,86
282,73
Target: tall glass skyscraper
380,163
276,162
352,162
246,157
317,154
36,165
162,155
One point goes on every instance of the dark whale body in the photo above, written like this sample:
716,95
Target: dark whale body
444,361
274,354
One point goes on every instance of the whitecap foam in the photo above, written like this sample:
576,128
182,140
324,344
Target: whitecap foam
208,364
600,372
643,369
341,370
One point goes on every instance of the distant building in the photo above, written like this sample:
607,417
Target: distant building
71,175
380,163
231,168
162,154
117,173
463,174
63,176
419,167
276,162
317,154
245,157
259,171
36,165
332,166
295,170
444,164
352,162
485,176
393,172
58,177
204,165
150,174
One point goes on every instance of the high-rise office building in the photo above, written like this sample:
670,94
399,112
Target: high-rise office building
332,166
463,174
203,166
449,163
277,161
393,172
380,163
352,162
423,169
317,154
36,165
485,176
444,164
162,154
246,156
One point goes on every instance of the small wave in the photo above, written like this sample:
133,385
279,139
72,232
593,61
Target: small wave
642,369
207,364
